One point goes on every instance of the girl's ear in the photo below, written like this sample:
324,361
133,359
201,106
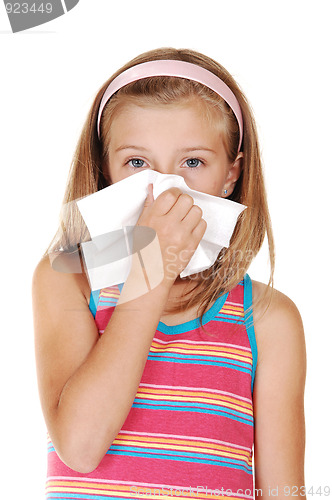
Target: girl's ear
233,174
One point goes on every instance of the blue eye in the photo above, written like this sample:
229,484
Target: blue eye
136,163
193,162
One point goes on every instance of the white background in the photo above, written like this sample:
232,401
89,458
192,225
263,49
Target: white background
280,53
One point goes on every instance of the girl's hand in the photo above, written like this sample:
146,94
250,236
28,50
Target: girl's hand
179,226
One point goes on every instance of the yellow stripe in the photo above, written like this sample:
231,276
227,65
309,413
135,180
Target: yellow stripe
109,295
82,484
183,393
206,347
245,359
230,310
197,400
90,491
165,446
218,350
185,442
138,492
227,305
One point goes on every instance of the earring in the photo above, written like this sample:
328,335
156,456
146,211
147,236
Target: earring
225,191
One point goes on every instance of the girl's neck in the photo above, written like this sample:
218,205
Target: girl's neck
179,290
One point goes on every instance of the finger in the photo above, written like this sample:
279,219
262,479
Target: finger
149,199
181,203
199,230
166,200
183,206
192,217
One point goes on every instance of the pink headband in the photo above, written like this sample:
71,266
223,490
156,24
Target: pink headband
180,69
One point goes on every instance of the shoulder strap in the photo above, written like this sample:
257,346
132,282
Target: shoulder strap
249,324
93,304
105,297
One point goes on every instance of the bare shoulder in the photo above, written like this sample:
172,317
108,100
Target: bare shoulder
48,278
278,323
64,327
278,394
60,301
270,301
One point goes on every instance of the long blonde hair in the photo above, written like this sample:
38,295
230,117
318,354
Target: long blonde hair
87,176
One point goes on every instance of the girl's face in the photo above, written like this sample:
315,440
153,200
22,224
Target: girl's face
176,139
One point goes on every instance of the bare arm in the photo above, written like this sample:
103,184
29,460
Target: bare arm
87,383
279,400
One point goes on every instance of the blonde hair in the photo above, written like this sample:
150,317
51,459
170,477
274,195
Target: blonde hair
87,175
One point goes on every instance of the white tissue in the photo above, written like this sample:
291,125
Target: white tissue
120,205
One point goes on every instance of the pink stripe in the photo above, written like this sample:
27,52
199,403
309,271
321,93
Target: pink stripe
187,438
131,483
237,304
179,405
179,387
216,402
201,343
209,351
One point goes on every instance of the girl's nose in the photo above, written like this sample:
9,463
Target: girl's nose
167,168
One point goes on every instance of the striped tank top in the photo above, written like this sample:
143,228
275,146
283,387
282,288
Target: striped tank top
190,431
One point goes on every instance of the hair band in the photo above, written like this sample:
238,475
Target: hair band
180,69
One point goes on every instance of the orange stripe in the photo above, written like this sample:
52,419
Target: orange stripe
165,446
245,359
206,347
138,492
182,443
146,391
199,400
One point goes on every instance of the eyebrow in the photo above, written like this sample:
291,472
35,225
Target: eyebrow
196,148
120,148
183,150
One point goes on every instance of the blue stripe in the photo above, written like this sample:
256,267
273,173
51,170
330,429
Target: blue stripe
184,357
248,421
111,302
76,496
228,318
104,301
163,453
94,302
173,455
201,362
249,323
194,323
189,405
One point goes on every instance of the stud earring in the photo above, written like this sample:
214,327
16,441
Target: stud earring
225,191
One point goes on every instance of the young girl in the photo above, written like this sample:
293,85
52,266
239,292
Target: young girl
169,393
